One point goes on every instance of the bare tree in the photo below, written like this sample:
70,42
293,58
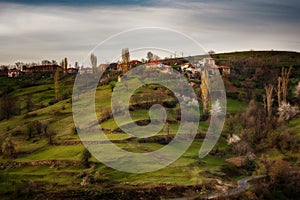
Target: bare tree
204,93
29,103
76,65
282,85
64,65
125,60
56,84
268,101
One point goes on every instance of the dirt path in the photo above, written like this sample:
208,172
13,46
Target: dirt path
242,186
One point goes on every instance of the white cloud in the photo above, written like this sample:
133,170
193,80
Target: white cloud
33,33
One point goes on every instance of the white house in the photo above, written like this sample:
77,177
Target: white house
14,73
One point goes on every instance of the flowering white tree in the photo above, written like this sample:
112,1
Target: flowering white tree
216,108
297,90
233,139
286,111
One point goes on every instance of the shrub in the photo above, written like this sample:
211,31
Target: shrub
9,149
86,155
170,104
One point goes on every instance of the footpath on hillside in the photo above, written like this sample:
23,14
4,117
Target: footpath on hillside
241,187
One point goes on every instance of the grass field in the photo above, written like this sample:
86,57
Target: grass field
186,171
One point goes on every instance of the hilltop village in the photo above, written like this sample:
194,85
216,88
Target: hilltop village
47,68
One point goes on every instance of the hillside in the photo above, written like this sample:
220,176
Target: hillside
49,161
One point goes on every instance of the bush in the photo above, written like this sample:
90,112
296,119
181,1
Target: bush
66,95
232,95
230,170
52,102
170,104
8,107
9,149
86,155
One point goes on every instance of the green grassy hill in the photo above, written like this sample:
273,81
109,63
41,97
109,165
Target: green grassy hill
42,167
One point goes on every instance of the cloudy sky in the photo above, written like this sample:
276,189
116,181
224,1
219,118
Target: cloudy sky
32,31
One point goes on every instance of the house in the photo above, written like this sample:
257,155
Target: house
102,67
14,73
86,70
225,69
207,62
134,63
166,69
48,68
210,64
154,62
127,66
187,67
222,69
72,70
112,66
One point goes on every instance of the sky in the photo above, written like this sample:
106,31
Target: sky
32,31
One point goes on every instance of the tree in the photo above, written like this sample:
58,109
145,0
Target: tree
30,130
211,52
64,65
282,85
112,85
125,62
254,126
150,56
155,57
286,111
38,127
204,93
45,129
231,124
51,134
56,84
75,130
93,60
76,65
278,171
86,155
203,190
268,101
249,163
29,104
9,149
8,107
